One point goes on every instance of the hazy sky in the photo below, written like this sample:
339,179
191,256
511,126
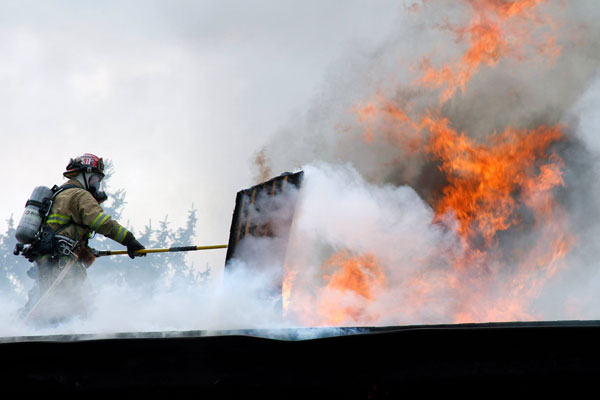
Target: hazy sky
180,95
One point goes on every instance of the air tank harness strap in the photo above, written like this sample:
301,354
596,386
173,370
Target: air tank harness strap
35,203
65,246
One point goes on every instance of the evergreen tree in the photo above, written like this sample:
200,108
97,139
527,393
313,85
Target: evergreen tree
116,200
184,237
13,270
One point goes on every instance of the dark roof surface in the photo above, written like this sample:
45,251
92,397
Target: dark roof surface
372,362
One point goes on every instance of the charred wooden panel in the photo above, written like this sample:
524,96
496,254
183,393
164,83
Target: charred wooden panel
255,209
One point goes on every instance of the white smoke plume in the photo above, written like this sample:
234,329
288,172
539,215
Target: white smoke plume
339,211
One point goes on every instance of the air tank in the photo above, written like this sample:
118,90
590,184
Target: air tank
33,214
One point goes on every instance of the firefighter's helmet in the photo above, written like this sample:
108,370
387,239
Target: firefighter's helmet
85,163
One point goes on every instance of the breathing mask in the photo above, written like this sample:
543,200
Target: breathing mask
92,182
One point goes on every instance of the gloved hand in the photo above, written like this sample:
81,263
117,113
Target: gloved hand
29,254
132,246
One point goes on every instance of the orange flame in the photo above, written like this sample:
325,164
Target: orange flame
352,282
286,289
491,187
383,117
498,28
484,180
358,274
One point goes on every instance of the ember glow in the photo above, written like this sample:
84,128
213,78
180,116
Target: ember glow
359,274
507,233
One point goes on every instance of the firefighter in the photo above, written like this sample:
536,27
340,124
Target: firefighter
63,260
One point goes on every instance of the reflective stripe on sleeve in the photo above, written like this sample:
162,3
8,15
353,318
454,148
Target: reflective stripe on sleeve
58,219
121,235
99,221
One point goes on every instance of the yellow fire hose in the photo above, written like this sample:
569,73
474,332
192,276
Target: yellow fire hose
98,253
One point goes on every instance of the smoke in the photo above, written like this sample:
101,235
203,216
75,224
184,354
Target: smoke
585,114
575,295
340,211
239,301
364,254
521,89
363,136
367,247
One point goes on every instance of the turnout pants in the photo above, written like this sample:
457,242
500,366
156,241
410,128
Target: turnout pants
59,300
